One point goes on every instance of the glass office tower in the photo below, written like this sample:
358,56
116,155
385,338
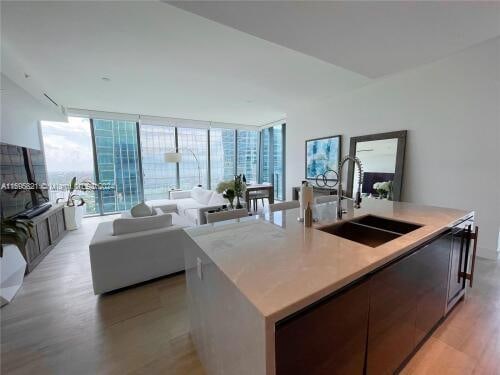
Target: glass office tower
222,156
248,154
265,171
117,154
272,158
158,176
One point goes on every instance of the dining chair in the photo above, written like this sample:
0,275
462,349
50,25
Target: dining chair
256,195
281,206
238,213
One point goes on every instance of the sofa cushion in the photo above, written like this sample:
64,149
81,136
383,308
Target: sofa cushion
126,225
217,200
141,210
201,195
187,203
166,205
191,214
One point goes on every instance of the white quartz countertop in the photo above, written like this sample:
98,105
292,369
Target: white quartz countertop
280,266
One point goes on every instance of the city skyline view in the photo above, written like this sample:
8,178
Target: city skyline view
130,158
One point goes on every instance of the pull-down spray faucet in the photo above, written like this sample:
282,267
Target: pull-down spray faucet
357,200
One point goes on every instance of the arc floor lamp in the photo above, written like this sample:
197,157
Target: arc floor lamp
176,157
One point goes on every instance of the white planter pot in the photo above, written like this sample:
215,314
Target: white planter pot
12,268
73,216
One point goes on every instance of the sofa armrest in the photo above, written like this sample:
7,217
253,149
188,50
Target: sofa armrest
180,194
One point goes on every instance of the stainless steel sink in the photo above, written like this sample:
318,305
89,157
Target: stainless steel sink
370,230
396,226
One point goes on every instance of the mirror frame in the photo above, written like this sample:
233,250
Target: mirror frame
400,156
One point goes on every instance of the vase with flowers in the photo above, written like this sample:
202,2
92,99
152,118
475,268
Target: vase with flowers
232,189
384,189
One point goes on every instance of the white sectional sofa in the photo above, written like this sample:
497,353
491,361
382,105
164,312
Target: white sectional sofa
190,204
131,250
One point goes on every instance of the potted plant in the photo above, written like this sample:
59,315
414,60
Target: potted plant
74,205
15,235
239,189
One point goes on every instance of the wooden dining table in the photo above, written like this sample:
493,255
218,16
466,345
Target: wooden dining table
259,187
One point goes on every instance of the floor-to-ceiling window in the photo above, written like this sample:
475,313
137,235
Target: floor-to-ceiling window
279,161
193,141
222,155
248,154
265,160
68,154
158,176
128,158
272,158
117,155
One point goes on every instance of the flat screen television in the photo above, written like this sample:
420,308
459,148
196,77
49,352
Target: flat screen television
23,180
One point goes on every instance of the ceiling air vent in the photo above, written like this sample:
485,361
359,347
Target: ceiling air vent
51,100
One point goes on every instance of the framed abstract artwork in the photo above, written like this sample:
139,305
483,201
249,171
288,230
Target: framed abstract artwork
322,154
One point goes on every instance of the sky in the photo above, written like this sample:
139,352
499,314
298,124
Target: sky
68,145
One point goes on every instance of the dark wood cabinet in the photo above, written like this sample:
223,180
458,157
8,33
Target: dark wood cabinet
407,300
43,234
54,228
376,324
48,229
32,250
61,225
433,263
326,338
393,309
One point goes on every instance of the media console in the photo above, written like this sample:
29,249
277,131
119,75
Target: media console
48,229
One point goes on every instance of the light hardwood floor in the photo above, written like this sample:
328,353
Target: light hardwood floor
56,325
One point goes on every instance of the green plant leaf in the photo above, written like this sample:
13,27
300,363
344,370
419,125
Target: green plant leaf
72,184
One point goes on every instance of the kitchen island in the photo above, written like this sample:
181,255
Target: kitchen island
268,296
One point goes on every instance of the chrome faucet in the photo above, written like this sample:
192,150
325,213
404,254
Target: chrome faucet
357,201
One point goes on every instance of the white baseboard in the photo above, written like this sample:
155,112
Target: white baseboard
487,253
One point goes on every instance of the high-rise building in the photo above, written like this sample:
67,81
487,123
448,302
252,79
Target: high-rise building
248,154
222,156
118,163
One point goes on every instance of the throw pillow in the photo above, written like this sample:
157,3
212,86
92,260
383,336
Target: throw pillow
217,200
201,195
141,210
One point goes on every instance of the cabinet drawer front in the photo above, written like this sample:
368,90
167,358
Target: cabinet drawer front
32,249
393,302
434,261
329,338
54,229
60,221
42,232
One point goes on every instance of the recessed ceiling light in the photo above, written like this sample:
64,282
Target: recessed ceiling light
106,79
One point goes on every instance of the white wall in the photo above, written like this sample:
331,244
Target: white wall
451,109
21,113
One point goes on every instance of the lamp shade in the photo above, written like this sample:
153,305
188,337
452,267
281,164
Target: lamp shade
172,157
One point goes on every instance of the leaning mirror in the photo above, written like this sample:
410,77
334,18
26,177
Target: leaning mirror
382,156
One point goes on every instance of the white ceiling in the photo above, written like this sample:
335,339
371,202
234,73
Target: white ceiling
162,61
166,61
372,38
